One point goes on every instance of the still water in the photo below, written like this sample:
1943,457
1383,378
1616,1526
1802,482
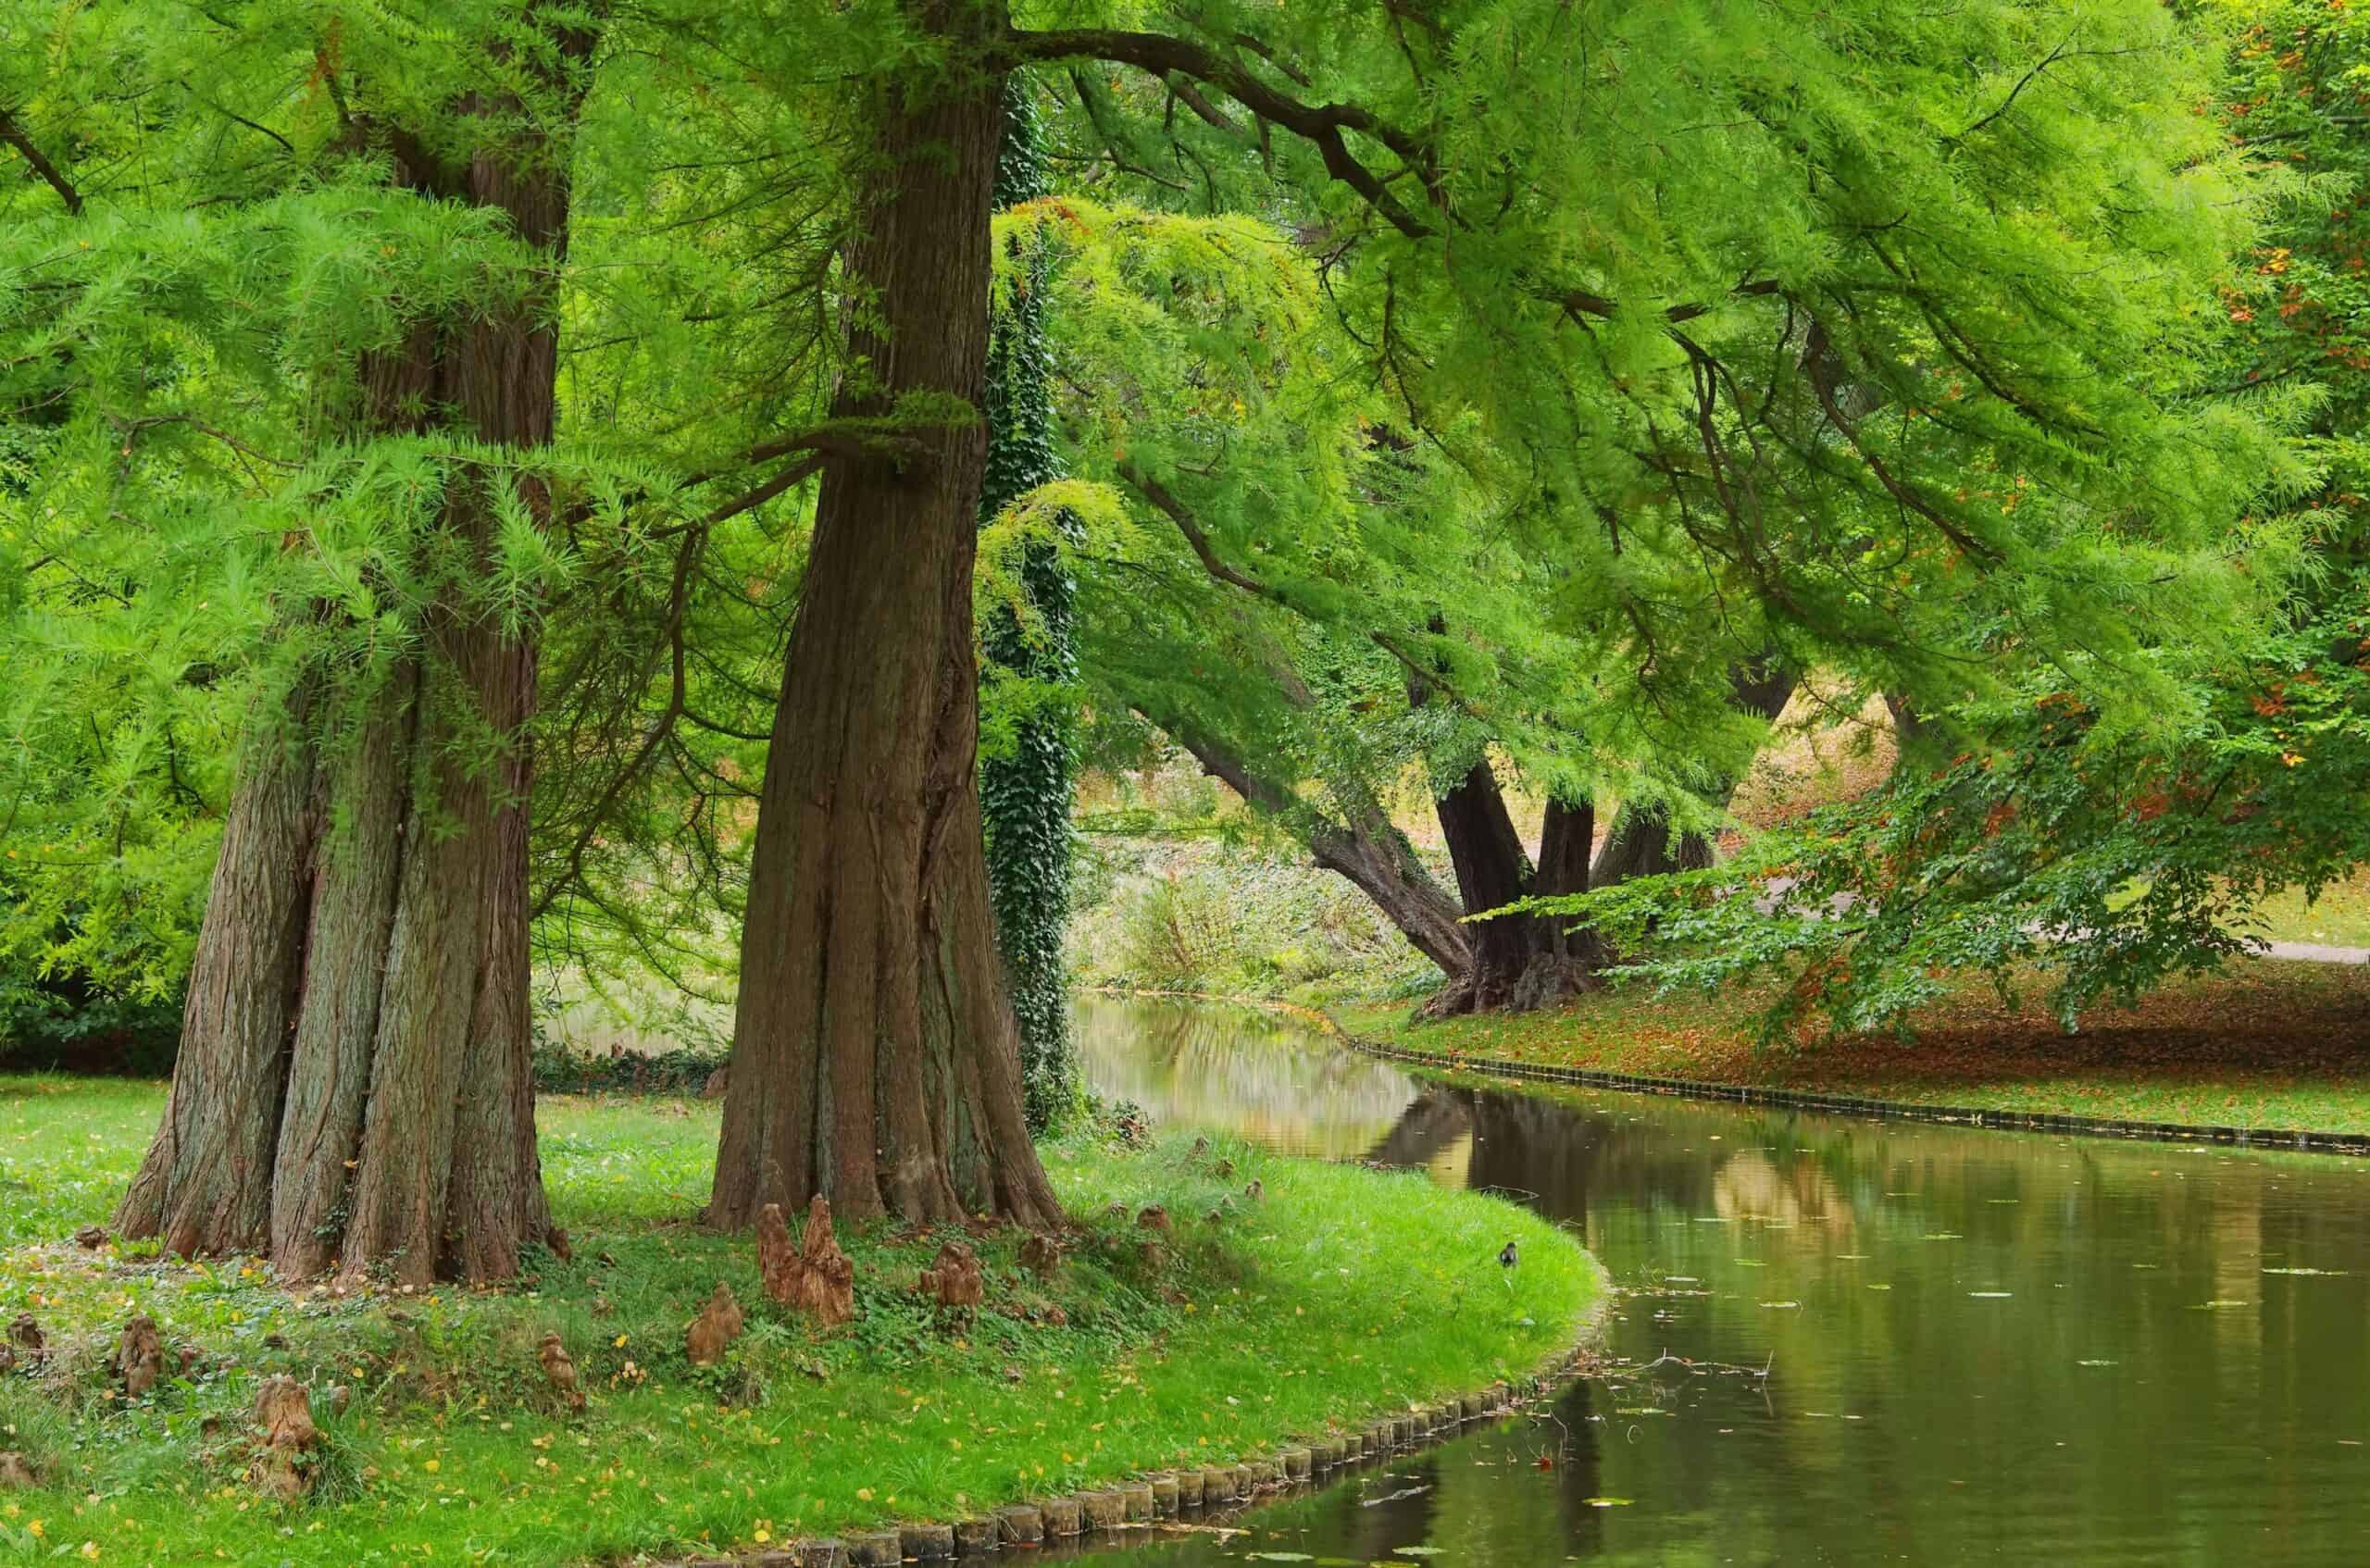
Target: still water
1839,1340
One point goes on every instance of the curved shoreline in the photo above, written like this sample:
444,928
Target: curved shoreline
1094,1517
1141,1504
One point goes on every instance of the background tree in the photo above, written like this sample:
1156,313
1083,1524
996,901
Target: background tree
2058,841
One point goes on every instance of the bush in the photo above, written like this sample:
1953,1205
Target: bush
69,1023
1212,917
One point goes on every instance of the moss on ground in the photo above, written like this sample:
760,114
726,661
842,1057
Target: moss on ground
2265,1044
1339,1292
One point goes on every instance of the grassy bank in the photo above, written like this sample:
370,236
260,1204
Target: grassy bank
1339,1292
2262,1045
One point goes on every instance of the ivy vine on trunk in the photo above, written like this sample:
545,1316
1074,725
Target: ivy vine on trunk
1025,783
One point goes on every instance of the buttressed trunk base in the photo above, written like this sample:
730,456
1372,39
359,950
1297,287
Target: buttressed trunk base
355,1086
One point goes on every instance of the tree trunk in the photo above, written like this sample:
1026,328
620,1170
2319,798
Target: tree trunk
354,1084
875,1058
1378,859
1520,962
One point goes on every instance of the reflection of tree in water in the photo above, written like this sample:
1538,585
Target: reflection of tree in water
1239,1071
2113,1324
1549,1154
1432,1123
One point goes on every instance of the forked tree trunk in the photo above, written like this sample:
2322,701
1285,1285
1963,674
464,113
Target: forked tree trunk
353,1083
1520,962
875,1059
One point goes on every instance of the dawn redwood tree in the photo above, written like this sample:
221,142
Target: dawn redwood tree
2046,839
354,1085
874,1056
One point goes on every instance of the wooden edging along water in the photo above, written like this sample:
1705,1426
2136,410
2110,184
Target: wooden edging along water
1106,1516
1136,1509
1850,1105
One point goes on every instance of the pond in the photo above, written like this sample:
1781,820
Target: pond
1839,1340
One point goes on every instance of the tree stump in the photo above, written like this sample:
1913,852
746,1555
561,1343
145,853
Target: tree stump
140,1356
1042,1255
814,1277
954,1277
559,1371
283,1466
713,1332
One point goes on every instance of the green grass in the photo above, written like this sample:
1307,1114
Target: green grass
2260,1045
2340,916
1342,1292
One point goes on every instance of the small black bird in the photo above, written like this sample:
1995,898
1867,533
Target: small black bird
1508,1259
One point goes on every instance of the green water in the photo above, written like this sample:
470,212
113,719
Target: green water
1842,1341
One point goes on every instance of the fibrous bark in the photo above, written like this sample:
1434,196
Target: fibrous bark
353,1081
283,1463
874,1056
713,1332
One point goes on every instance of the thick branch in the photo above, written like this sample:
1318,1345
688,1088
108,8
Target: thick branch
1321,125
14,135
1161,496
1367,850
